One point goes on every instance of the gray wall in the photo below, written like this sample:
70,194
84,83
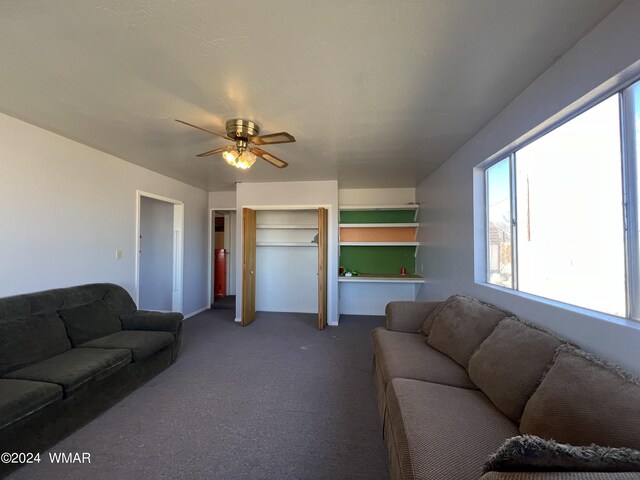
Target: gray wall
447,221
156,254
65,209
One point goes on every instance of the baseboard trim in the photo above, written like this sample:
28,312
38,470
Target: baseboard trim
192,314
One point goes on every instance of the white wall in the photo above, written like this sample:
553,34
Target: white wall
65,209
376,196
274,195
446,196
222,200
287,276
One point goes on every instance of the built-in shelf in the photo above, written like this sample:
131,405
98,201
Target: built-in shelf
287,227
379,225
379,278
379,244
407,206
286,244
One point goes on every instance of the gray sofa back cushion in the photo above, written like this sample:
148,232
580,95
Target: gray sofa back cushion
461,325
427,323
509,365
29,340
583,400
88,322
50,301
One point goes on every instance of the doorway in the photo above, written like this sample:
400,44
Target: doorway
159,246
222,253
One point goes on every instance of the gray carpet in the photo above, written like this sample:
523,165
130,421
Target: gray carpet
274,400
226,303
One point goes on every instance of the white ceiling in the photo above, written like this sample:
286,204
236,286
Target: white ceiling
377,93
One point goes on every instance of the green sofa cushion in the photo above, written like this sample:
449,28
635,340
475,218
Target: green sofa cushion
19,398
31,339
141,344
87,322
74,368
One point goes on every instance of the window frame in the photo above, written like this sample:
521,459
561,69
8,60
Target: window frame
630,160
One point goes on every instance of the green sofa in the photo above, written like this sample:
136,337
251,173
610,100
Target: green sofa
467,391
68,354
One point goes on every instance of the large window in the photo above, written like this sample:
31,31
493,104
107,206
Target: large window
558,211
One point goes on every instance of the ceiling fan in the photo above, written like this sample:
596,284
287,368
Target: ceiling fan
245,133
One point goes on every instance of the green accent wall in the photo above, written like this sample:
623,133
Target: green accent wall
377,216
378,260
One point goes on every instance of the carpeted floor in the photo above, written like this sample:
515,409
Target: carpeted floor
226,303
274,400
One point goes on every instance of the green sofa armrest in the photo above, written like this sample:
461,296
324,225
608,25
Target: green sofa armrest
407,316
561,476
157,321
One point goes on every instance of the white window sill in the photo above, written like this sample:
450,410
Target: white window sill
626,322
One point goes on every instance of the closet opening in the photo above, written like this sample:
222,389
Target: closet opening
284,262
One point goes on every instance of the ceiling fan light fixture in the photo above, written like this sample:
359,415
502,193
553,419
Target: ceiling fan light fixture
231,157
245,160
245,133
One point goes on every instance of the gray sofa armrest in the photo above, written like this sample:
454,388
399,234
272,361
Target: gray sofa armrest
148,320
407,316
561,476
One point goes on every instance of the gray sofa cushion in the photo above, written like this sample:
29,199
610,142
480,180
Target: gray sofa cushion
425,328
560,476
583,400
156,321
462,325
406,355
442,432
531,453
74,368
50,301
29,340
508,366
19,398
141,344
94,320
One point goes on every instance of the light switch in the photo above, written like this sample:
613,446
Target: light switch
118,254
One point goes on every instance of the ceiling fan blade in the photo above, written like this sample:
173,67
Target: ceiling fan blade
217,150
203,129
280,137
272,159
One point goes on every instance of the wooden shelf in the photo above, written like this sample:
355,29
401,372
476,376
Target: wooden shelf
286,244
380,278
379,244
406,206
287,227
379,225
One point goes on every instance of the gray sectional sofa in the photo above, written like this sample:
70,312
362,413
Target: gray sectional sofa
467,391
68,354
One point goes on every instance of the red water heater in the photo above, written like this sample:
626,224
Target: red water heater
220,273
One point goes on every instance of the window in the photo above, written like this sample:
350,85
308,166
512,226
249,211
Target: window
499,228
555,211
